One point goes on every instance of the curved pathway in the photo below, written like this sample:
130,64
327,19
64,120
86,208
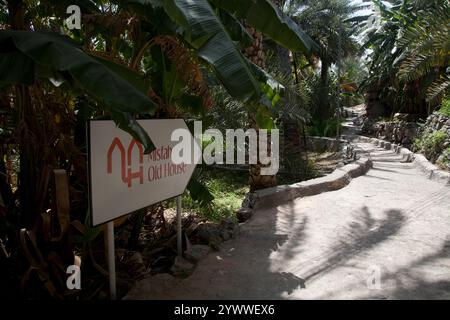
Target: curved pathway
385,236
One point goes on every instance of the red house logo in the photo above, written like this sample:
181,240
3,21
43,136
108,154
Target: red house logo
126,159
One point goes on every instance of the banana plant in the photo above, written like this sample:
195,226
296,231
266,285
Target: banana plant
30,55
200,25
209,31
264,16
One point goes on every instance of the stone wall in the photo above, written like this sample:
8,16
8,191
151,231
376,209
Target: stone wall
439,153
399,132
437,122
323,144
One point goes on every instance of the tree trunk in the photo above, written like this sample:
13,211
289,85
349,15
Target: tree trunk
324,106
291,127
27,175
16,9
6,193
256,180
324,74
255,54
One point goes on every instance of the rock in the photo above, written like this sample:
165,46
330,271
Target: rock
225,234
229,228
135,265
244,214
210,233
197,252
249,201
228,224
396,132
182,267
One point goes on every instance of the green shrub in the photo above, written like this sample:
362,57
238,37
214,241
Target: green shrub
297,169
444,160
229,189
431,144
445,109
327,128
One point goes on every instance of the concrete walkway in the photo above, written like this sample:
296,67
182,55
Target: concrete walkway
392,223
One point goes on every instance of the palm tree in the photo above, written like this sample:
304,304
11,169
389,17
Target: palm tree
292,126
255,53
283,54
409,55
426,46
325,22
132,59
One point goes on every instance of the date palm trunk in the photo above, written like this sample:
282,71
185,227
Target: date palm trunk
27,174
323,111
255,54
291,128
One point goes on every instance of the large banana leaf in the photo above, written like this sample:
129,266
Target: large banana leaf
136,79
236,30
206,34
57,55
264,16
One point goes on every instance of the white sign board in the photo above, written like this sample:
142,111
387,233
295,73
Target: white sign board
123,179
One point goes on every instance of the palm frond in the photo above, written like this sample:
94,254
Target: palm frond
438,88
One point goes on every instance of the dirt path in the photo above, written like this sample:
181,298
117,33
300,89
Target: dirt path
392,222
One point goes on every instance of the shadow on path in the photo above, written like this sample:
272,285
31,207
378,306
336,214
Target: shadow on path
410,282
360,236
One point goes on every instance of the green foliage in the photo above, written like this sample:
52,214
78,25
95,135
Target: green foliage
228,188
445,108
271,94
236,30
203,29
431,144
58,59
320,124
205,33
426,45
227,113
132,59
409,54
326,22
444,160
353,72
88,233
325,128
297,169
264,16
198,191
